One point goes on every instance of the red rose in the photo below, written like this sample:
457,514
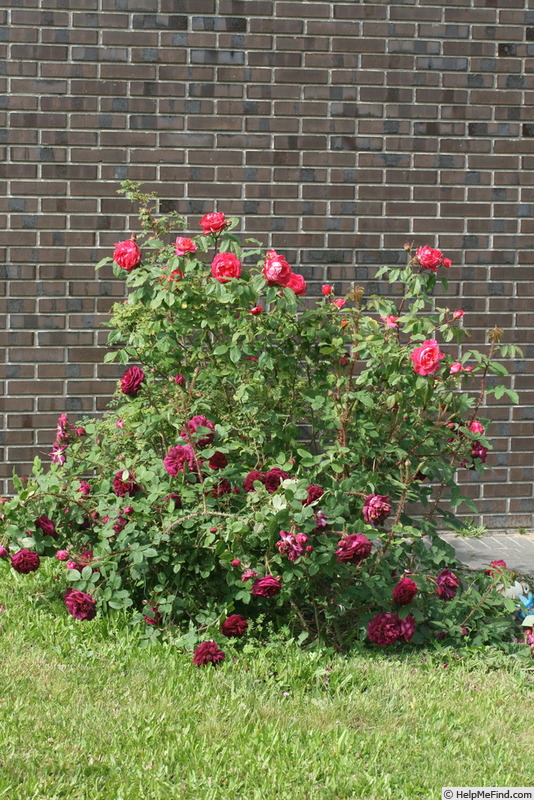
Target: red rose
176,459
429,258
327,289
314,493
276,270
47,526
446,584
255,475
384,629
189,431
234,626
495,567
80,604
268,586
127,254
131,380
353,548
25,561
426,358
405,591
213,223
225,266
184,245
447,263
297,283
207,653
256,310
218,460
340,302
123,487
376,508
274,478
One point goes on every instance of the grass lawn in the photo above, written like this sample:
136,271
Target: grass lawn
86,714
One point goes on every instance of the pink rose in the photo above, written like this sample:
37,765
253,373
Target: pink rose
225,266
184,245
62,555
340,303
123,487
25,561
80,604
405,591
327,289
429,258
57,456
376,508
179,379
234,626
62,429
446,584
476,427
80,431
235,562
47,526
207,653
127,254
297,283
177,457
384,629
447,263
390,320
290,546
4,552
131,380
213,223
247,575
85,488
426,358
407,628
276,270
268,586
353,548
456,367
189,431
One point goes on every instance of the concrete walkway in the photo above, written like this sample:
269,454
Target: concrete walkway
514,548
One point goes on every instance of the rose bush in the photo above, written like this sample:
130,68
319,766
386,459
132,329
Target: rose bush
261,456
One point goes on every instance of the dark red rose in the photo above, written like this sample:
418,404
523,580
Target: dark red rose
207,653
177,457
447,584
154,617
314,493
274,478
353,548
189,431
131,380
218,461
85,488
405,591
123,487
221,488
120,524
213,223
255,475
267,586
47,526
384,629
297,283
376,508
127,254
176,499
225,266
407,627
25,561
234,626
80,604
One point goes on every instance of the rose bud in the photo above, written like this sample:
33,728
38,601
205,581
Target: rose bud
256,310
458,314
327,289
235,562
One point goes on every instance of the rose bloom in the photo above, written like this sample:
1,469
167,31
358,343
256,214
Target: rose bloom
405,591
207,653
247,575
131,380
85,488
458,314
327,289
176,459
376,508
290,545
80,604
220,489
255,475
57,456
495,568
123,487
274,478
225,266
276,270
62,555
447,263
456,367
426,358
127,254
476,427
429,258
407,627
213,223
479,451
234,626
353,548
184,245
189,430
46,525
62,428
80,431
390,320
446,584
256,310
218,460
297,283
4,552
340,302
267,586
384,629
314,493
25,561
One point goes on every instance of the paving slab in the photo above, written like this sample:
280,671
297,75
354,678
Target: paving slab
516,549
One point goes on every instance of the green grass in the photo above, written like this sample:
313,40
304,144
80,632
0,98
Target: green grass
86,714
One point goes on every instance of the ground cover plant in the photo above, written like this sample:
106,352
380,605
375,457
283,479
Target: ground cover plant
261,454
86,713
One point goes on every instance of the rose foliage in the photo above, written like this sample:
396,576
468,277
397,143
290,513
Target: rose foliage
263,453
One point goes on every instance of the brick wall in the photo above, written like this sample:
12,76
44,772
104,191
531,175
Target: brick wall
336,130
